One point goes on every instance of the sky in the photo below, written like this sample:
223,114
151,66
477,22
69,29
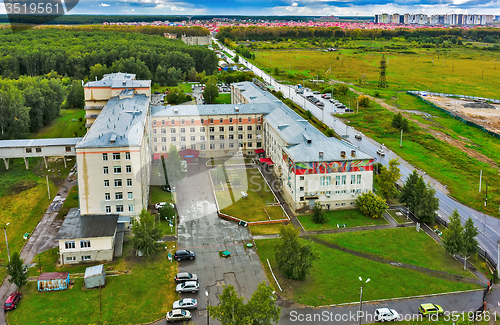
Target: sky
282,7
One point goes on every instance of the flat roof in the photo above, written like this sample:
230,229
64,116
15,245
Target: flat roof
94,270
53,275
39,142
119,124
206,110
88,226
253,93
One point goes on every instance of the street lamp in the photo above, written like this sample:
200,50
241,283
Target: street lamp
361,298
208,305
6,240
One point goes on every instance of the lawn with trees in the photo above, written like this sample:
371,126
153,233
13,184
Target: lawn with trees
349,217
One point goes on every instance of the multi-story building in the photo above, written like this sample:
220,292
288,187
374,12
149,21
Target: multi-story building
114,158
197,40
97,93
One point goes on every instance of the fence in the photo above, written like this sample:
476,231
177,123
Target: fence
417,93
496,101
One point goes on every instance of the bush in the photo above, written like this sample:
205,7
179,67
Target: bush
318,214
363,101
342,89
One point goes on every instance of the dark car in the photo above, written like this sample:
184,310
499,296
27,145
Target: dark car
184,254
12,301
348,110
185,276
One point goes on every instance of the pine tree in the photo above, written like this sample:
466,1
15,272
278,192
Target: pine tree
17,270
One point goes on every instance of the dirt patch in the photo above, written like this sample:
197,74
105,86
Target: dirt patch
22,185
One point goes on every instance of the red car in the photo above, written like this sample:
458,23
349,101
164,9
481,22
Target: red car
12,301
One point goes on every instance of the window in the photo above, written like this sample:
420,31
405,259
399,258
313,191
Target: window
118,196
130,208
259,127
337,192
164,148
182,122
259,144
28,150
162,122
117,169
212,146
155,140
172,130
173,122
344,191
107,197
173,139
353,191
240,128
249,120
202,147
155,148
221,121
301,188
211,129
221,137
353,179
249,128
249,145
249,136
211,121
154,131
202,121
231,145
202,129
322,181
116,156
128,169
183,139
84,243
108,209
118,183
221,146
212,137
221,129
70,258
192,130
164,139
38,149
337,180
343,179
154,122
86,258
193,147
328,193
193,138
231,129
106,183
129,182
105,156
241,145
230,120
183,130
130,196
240,136
328,180
359,179
192,122
202,138
105,170
231,137
164,131
69,244
119,208
258,119
301,178
127,155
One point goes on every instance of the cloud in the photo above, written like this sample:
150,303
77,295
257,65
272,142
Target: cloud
104,5
295,4
174,8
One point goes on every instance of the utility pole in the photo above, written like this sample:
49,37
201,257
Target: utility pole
480,178
100,302
361,299
48,188
401,141
498,259
6,239
357,106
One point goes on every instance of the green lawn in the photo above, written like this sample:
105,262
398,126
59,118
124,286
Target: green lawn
272,228
144,294
223,99
402,245
67,125
253,207
182,87
70,202
157,194
334,278
398,216
352,218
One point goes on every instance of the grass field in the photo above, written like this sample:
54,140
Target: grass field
157,194
352,218
268,229
334,278
253,207
67,125
398,244
70,202
400,218
223,99
182,87
142,295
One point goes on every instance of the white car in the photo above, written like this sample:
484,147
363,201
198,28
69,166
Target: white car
386,315
178,315
358,136
160,205
381,152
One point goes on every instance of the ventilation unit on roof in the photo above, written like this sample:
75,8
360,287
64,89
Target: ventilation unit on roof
124,82
353,153
113,138
321,154
236,109
176,110
342,154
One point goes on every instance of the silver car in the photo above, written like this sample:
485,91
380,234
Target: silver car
186,303
178,315
188,286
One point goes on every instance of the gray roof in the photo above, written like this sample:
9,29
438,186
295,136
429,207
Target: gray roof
122,119
87,226
119,80
204,110
330,147
254,94
39,142
94,270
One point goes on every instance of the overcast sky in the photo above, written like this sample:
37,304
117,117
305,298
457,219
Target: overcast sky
283,7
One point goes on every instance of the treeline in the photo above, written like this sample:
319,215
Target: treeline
29,103
72,52
283,33
99,19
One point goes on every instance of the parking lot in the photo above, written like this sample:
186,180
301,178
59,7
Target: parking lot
326,102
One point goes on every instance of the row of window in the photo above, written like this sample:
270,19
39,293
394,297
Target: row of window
338,192
203,138
212,146
117,169
221,121
118,196
116,156
73,258
38,150
119,208
118,182
339,180
70,244
210,129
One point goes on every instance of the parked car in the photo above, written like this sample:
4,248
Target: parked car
341,106
428,309
185,276
327,96
188,286
316,92
348,110
184,254
160,205
381,152
186,303
386,315
333,101
320,104
178,315
358,136
12,301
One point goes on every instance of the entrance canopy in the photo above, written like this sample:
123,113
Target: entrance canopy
268,161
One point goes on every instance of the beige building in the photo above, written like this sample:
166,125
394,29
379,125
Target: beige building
114,158
87,238
197,40
97,93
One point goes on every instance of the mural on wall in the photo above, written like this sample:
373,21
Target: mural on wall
363,165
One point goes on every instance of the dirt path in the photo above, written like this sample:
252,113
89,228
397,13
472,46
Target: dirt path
462,145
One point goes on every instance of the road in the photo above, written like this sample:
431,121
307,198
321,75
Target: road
488,226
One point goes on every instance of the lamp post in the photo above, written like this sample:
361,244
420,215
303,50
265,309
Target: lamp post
208,305
6,239
361,298
498,259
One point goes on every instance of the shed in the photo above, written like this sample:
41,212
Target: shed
53,281
95,276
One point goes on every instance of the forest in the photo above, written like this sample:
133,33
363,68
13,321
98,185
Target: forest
42,69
